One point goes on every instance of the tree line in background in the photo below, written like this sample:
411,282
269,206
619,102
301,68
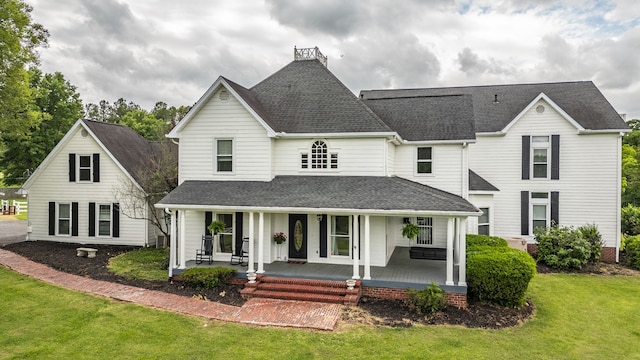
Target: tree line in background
36,109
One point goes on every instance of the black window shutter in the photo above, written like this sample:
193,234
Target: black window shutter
524,213
92,219
115,221
323,236
238,230
96,167
555,207
72,167
555,157
526,156
208,218
52,218
74,219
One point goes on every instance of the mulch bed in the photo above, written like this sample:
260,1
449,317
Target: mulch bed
370,311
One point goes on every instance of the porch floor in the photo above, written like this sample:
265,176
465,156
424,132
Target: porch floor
400,272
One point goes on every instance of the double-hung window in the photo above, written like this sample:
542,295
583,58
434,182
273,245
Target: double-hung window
64,219
224,155
340,235
424,160
425,224
104,219
84,167
540,156
540,210
484,222
225,238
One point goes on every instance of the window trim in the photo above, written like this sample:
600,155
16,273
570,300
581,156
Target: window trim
70,218
536,146
218,245
97,216
216,155
79,167
539,202
418,161
331,235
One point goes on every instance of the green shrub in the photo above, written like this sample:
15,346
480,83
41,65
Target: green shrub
632,249
207,278
500,275
630,220
592,235
474,240
429,300
562,247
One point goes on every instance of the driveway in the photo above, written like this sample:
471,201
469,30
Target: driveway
12,230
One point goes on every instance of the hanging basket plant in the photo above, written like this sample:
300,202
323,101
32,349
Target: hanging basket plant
216,227
410,231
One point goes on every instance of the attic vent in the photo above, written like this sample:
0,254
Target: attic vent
309,54
84,133
540,109
224,95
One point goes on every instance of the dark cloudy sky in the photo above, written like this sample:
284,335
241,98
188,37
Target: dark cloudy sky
171,51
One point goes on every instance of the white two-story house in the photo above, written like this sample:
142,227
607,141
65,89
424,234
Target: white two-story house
298,153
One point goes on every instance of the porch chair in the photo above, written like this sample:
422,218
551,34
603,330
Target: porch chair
205,253
241,257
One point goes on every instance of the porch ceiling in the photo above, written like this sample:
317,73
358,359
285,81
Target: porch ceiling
375,193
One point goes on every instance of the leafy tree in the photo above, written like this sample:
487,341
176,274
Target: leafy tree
59,106
112,113
170,115
145,124
631,165
19,38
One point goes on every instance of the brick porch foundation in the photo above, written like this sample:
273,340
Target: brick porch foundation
458,300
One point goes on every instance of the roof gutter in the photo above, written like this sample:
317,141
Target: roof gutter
603,131
283,135
338,211
434,142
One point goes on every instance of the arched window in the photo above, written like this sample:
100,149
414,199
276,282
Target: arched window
319,155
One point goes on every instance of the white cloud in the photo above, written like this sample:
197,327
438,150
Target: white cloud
148,51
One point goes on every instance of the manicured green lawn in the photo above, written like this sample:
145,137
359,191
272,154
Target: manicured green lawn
578,317
145,263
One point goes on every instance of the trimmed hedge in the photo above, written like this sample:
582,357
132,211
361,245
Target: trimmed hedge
207,278
485,240
632,249
500,275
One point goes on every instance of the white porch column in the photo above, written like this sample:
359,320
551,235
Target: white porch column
456,241
462,268
367,248
261,243
173,242
251,267
450,230
356,250
183,238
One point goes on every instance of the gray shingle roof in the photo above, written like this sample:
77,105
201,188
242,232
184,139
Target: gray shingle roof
305,97
319,192
581,100
478,183
131,150
446,117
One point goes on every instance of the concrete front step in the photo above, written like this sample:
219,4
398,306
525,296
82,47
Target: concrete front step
327,291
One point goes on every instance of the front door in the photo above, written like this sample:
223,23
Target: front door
297,236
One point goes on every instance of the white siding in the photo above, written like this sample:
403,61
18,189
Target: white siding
588,174
481,201
53,185
356,157
228,120
447,166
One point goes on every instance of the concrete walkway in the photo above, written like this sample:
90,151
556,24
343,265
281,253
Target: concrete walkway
12,230
264,312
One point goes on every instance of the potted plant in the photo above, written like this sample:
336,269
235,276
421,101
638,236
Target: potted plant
279,238
216,227
410,231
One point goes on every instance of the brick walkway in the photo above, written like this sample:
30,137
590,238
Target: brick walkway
265,312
